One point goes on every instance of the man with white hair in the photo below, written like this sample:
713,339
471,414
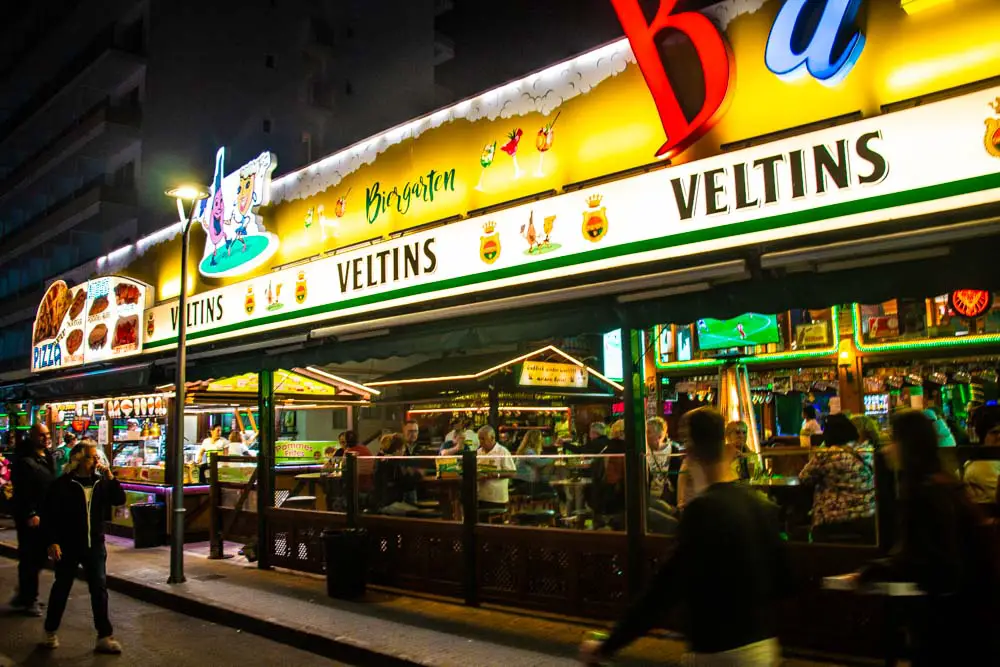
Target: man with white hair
496,467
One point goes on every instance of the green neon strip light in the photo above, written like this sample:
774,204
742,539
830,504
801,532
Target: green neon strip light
772,357
22,428
782,221
918,344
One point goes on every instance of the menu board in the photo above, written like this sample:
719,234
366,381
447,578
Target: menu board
57,337
114,307
137,406
95,321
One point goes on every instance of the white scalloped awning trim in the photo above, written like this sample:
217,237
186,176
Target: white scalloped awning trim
541,92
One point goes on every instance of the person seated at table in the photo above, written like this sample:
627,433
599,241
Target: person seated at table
606,493
530,464
395,480
843,474
458,440
744,461
366,468
597,441
810,423
981,476
496,467
342,444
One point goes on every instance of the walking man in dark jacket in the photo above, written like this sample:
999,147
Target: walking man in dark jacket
76,508
728,570
31,475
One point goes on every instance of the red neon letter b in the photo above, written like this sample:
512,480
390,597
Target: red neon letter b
713,53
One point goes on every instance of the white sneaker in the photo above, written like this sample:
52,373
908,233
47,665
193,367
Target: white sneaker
108,645
51,641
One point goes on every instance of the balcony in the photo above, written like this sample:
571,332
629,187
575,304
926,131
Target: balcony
96,209
91,76
60,166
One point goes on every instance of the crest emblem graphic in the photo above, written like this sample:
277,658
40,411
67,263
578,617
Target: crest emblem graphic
595,219
991,140
489,244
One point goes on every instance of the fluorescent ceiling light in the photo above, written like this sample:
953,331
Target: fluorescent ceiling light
669,291
879,260
935,236
344,381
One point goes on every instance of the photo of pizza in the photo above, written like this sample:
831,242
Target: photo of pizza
74,341
51,312
126,332
98,337
99,306
78,302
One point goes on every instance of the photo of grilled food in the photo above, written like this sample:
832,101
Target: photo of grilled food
52,311
74,341
99,306
78,302
126,331
126,294
98,337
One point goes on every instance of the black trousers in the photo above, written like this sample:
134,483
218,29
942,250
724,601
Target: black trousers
31,559
93,561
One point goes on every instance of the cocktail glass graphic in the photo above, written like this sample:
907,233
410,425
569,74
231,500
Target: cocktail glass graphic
486,159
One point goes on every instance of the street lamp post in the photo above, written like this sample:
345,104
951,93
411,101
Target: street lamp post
194,194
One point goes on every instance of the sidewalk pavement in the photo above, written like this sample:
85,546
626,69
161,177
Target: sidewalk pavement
384,628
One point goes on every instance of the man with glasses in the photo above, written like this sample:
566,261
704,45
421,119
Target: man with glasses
73,519
31,475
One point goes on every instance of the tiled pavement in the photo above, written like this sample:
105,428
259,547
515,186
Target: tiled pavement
384,628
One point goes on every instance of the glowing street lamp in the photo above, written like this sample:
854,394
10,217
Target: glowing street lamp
181,194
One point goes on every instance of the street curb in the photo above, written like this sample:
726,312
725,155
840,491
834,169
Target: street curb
336,648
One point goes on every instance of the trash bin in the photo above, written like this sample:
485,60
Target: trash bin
149,524
346,562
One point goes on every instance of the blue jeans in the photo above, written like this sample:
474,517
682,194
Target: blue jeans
93,561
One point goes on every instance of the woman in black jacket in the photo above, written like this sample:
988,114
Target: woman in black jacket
73,519
944,547
31,474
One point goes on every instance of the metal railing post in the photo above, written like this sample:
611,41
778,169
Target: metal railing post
470,515
350,486
215,547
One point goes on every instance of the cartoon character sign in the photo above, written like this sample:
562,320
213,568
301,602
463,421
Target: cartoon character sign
236,240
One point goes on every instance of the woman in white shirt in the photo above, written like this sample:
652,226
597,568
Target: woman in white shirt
810,425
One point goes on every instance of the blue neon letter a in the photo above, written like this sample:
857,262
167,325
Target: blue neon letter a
818,58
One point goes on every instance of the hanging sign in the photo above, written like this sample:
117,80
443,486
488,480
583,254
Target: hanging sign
971,303
549,374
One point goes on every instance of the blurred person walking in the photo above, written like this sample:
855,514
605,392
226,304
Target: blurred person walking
725,532
944,547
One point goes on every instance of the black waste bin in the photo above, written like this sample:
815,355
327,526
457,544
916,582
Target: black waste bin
346,562
149,524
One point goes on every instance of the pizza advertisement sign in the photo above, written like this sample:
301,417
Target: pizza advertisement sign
57,337
91,322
